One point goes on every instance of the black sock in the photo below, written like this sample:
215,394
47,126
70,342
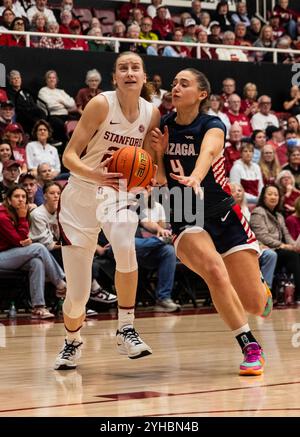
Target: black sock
245,338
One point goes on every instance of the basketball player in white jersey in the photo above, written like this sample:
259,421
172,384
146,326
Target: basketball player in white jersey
90,201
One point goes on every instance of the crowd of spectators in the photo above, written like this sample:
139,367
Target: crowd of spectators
134,20
262,146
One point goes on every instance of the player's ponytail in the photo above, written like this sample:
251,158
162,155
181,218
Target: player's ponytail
203,85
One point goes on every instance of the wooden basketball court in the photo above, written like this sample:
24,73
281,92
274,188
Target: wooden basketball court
193,370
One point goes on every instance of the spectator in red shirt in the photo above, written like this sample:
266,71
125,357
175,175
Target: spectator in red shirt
288,17
127,8
228,89
232,149
75,44
234,115
293,221
162,26
93,80
249,105
18,252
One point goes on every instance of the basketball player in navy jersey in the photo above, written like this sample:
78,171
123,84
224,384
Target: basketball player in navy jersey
224,250
90,202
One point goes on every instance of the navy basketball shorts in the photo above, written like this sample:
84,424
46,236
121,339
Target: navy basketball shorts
230,232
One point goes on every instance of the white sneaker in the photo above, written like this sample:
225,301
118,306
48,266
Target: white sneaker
130,343
103,296
67,357
166,306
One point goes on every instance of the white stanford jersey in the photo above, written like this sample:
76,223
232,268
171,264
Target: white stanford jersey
116,131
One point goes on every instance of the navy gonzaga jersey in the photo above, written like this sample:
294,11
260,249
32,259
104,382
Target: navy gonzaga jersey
181,156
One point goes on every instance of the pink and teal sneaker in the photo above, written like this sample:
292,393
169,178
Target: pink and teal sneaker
269,303
254,360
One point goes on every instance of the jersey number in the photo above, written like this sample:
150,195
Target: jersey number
109,152
177,167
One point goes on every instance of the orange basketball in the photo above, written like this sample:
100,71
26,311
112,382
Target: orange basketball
135,164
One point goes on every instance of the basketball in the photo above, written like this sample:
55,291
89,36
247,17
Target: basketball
135,164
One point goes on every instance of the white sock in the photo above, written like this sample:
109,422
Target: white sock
95,286
244,328
125,317
71,336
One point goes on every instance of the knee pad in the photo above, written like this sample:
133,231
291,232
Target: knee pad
121,235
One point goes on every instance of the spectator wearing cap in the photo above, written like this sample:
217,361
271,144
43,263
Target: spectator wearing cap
27,111
241,14
152,9
40,150
177,51
10,175
234,114
14,134
6,153
7,115
162,26
93,80
40,6
214,36
75,44
247,173
223,16
264,118
59,105
274,22
29,182
190,30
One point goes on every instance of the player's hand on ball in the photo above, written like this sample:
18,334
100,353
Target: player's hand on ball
158,141
189,181
105,178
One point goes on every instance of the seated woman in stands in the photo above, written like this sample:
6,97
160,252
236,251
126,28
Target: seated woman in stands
18,252
270,230
247,173
289,192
